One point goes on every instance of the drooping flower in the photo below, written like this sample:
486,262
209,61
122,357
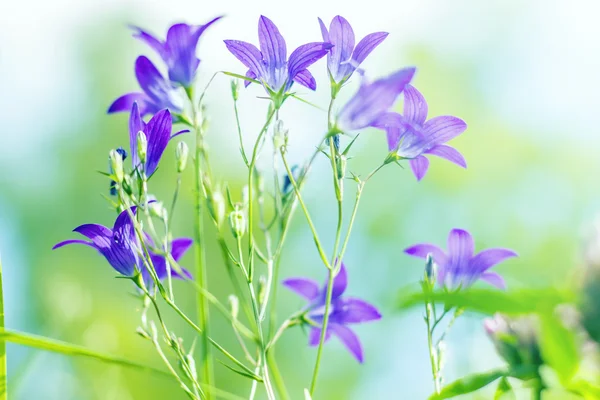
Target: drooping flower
270,64
120,246
460,267
158,134
344,58
178,50
158,93
344,311
412,136
373,100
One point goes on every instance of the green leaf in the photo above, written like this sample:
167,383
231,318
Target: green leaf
468,384
491,301
559,348
242,373
242,77
503,388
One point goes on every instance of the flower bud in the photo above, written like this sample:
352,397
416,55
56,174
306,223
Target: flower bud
142,146
280,135
189,360
116,164
234,304
235,89
182,155
516,340
430,271
128,185
216,207
262,289
158,210
237,222
142,332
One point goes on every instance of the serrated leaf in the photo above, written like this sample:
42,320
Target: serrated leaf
559,349
468,384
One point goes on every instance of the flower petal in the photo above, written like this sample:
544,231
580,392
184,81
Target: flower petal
154,43
460,248
486,259
353,311
306,79
272,44
125,102
394,125
182,40
494,279
324,31
98,234
73,241
349,339
415,106
314,337
248,54
158,133
306,55
152,82
250,74
123,227
136,124
449,153
424,249
340,282
441,129
419,166
367,45
341,36
306,288
179,247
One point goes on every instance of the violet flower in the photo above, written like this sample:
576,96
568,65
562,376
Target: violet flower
459,267
411,136
178,50
158,134
178,248
158,93
344,311
344,58
372,101
270,64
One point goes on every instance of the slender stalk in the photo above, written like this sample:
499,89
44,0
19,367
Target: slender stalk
3,382
313,383
57,346
433,354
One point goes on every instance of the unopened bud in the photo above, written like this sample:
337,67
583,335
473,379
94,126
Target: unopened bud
237,222
189,360
217,207
262,289
182,156
142,146
280,135
157,209
143,333
128,185
234,304
516,340
116,164
235,89
341,166
430,270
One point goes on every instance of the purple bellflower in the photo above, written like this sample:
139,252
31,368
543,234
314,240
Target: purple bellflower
158,134
178,50
270,64
372,101
121,248
158,93
459,267
412,136
344,58
344,311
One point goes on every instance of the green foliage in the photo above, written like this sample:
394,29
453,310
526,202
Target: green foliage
559,348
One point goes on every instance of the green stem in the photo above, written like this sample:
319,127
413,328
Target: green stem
56,346
432,350
313,383
277,378
3,383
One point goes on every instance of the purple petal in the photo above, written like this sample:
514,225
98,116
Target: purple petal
449,153
306,79
136,124
340,282
415,106
98,234
125,102
460,248
324,32
248,54
181,132
73,241
306,288
154,84
493,279
419,166
250,74
123,227
490,257
182,40
442,129
367,45
272,44
341,36
349,339
314,337
179,247
424,249
306,55
158,132
394,125
353,311
151,41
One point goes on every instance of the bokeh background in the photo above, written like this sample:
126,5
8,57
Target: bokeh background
524,75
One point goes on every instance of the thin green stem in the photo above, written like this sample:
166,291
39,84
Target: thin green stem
313,383
3,383
277,378
433,354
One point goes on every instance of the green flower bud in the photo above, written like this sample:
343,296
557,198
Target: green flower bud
516,340
189,360
235,89
216,207
262,289
234,304
182,156
142,146
341,163
430,271
237,222
280,135
116,163
158,210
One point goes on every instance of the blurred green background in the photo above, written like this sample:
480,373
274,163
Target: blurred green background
523,75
